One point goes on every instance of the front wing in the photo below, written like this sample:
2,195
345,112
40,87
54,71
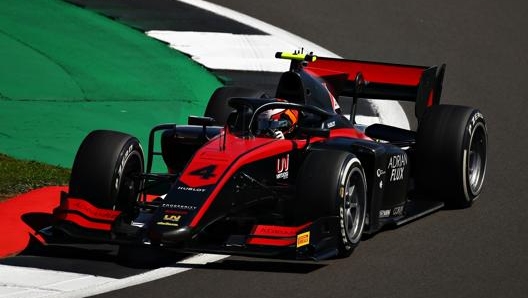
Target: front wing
81,221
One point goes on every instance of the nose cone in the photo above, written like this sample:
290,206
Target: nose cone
171,237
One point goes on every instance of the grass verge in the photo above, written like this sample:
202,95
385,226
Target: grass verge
19,176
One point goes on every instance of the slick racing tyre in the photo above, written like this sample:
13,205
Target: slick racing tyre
332,183
451,151
104,168
218,107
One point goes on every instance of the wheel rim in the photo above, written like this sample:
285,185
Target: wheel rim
129,188
477,160
354,206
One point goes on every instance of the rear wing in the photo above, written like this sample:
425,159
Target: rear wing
363,79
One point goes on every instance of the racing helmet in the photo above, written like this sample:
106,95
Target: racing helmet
278,119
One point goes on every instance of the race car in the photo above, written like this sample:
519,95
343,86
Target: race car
240,181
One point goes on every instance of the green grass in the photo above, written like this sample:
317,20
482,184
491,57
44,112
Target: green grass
19,176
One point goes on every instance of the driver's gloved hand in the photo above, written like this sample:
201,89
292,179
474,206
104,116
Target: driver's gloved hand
277,134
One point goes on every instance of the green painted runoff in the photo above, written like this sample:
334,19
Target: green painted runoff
67,71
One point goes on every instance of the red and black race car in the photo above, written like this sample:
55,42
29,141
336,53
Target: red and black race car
240,181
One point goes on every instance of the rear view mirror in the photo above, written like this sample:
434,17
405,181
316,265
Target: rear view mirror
202,121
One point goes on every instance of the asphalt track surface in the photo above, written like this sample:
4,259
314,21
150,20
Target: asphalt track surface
477,252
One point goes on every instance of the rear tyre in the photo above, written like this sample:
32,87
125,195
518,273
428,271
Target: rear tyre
451,154
332,183
104,169
218,107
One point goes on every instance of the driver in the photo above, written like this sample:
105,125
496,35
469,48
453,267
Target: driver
279,122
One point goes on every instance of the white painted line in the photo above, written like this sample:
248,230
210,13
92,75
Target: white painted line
229,51
238,51
365,120
262,26
31,282
390,113
149,276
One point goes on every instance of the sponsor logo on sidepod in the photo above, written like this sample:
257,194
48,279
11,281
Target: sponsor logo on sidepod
397,165
283,165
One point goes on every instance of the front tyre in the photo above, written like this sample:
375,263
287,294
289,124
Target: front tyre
105,169
451,154
332,183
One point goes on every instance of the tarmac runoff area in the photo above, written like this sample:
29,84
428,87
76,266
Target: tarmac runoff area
67,71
